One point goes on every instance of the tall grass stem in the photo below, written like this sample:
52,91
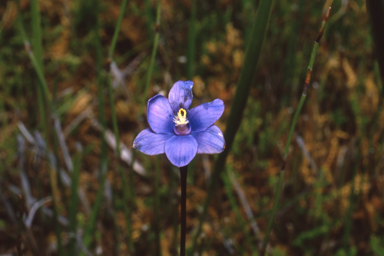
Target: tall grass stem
117,29
38,51
116,131
153,56
43,96
191,43
149,16
291,130
104,157
252,56
74,203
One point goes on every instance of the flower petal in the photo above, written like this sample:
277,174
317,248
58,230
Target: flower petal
160,115
180,150
181,95
151,143
210,141
205,115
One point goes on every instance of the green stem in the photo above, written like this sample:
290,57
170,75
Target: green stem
292,128
130,194
104,158
149,16
36,63
117,29
252,56
113,115
37,48
93,216
191,45
153,56
43,95
74,203
36,30
274,209
293,125
116,130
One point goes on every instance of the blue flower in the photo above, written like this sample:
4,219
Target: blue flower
178,131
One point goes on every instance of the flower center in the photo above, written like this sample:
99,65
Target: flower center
181,123
181,118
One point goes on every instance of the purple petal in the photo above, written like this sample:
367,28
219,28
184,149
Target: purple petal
205,115
151,143
160,115
181,95
180,150
210,141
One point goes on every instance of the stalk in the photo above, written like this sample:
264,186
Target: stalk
116,130
153,56
293,125
191,44
43,96
74,204
144,97
131,201
253,52
117,29
156,207
149,16
183,219
104,158
38,50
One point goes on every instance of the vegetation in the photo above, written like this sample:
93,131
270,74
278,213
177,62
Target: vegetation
75,77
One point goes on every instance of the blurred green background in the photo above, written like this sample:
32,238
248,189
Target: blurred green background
65,190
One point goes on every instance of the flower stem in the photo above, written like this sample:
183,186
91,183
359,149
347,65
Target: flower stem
183,219
156,210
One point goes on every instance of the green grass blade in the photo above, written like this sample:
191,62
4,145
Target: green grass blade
149,16
253,52
104,155
43,96
117,29
292,128
191,45
37,65
36,30
116,131
153,56
74,203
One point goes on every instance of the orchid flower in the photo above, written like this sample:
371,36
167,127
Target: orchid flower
178,131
